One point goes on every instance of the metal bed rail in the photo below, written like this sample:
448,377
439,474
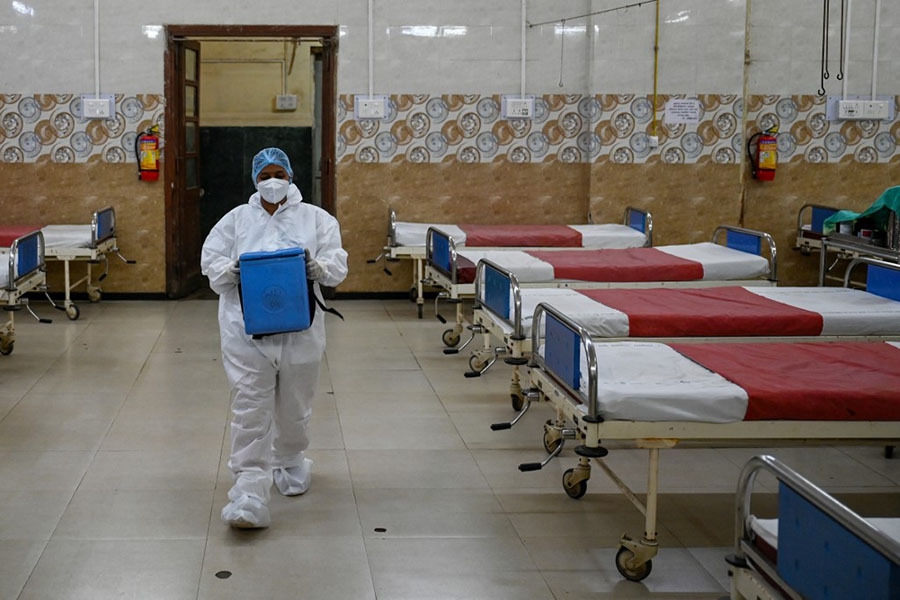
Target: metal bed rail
448,269
814,495
514,310
738,242
869,262
586,343
103,225
807,215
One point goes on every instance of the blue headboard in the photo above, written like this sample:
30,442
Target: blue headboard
819,214
562,352
883,281
637,220
106,224
823,560
745,242
28,258
440,251
496,291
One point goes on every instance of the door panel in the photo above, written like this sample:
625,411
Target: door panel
186,193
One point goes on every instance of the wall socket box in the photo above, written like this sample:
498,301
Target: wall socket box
286,102
517,107
103,107
863,109
374,107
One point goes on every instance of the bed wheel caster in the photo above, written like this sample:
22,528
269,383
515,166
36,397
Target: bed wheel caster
73,312
420,307
7,348
889,452
552,438
517,400
94,294
624,557
413,294
450,337
574,489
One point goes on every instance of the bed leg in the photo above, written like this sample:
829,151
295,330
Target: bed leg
515,390
633,559
68,301
420,298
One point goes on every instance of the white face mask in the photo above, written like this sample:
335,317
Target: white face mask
273,190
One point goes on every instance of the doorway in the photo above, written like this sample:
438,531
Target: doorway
221,88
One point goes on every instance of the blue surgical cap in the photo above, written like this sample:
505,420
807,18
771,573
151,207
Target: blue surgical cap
271,156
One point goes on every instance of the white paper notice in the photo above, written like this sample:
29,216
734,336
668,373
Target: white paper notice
682,111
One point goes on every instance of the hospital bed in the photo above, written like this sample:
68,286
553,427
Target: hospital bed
737,261
77,243
21,271
816,548
406,240
503,311
811,227
658,395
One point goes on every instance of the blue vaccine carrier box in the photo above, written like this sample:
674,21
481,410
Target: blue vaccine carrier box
274,292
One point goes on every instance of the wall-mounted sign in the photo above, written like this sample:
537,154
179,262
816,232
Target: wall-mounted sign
682,110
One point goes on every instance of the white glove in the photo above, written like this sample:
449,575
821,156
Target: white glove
314,270
234,271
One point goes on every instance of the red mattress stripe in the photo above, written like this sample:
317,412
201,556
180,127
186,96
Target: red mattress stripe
630,264
820,381
523,236
10,233
720,311
465,270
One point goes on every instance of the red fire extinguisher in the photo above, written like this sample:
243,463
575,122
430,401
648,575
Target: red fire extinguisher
764,161
146,148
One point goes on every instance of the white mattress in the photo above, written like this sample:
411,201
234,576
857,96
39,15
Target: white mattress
647,381
592,236
767,529
844,311
413,234
721,263
67,236
524,266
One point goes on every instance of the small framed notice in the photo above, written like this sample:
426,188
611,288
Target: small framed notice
681,110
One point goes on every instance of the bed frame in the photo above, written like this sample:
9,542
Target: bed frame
495,317
442,264
554,377
26,273
640,220
825,550
811,227
103,242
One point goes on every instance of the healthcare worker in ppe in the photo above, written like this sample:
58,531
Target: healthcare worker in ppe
273,379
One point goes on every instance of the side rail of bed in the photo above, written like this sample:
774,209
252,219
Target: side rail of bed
440,253
497,290
26,256
103,225
750,241
567,348
882,278
825,550
640,220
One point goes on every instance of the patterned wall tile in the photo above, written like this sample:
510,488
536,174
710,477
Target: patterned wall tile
617,128
50,127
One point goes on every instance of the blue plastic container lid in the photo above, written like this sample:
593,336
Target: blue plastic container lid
286,253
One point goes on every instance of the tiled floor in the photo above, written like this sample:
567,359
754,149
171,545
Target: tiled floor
112,475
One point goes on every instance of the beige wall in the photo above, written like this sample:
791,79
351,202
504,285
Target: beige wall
242,94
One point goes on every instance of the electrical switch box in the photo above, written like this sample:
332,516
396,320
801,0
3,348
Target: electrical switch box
286,102
98,108
370,107
517,107
863,109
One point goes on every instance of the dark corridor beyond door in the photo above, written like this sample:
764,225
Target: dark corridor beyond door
226,157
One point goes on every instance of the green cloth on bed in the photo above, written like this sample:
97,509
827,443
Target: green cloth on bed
879,212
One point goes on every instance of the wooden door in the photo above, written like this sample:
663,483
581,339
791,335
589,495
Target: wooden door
184,149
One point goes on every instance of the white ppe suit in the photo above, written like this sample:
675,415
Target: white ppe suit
273,379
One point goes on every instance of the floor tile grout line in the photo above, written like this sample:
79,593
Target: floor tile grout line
93,455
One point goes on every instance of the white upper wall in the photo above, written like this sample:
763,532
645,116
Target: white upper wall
466,46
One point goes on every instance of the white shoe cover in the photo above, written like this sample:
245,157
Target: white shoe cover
246,511
293,481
